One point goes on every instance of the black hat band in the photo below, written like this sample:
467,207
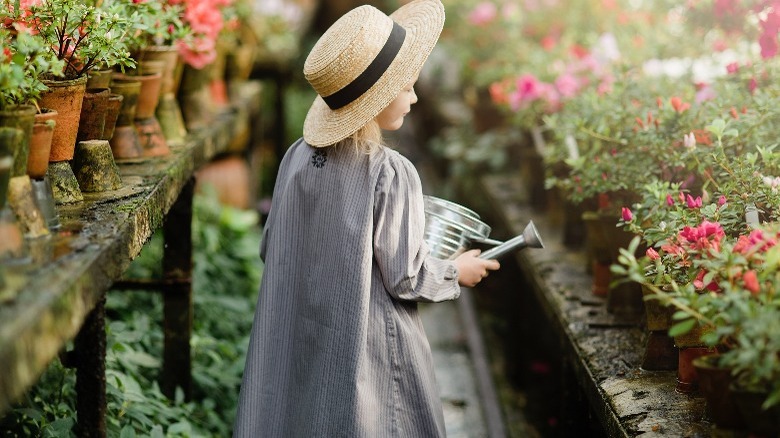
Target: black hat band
372,73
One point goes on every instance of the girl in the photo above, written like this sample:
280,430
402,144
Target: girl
337,347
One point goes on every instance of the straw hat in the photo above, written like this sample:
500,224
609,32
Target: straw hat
362,63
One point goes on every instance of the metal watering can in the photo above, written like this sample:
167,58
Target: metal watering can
450,229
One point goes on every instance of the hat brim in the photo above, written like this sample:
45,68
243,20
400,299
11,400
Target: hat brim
423,21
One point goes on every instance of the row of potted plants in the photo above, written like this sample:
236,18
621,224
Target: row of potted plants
674,144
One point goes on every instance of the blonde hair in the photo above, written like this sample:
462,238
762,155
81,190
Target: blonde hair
367,139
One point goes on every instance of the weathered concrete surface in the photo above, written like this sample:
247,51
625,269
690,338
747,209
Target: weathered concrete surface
46,301
604,350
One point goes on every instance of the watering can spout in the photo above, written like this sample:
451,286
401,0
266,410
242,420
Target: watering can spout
529,238
531,235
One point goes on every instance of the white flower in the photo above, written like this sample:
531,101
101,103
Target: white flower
689,141
773,182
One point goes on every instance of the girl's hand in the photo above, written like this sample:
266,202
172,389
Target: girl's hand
472,269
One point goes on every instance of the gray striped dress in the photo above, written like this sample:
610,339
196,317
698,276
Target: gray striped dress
337,347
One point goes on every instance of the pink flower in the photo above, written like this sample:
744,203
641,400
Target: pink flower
528,86
751,282
732,68
752,85
528,89
567,85
482,14
652,254
693,203
669,200
705,236
201,52
627,215
755,241
705,93
721,201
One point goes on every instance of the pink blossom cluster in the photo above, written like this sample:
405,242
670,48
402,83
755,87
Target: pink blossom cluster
705,241
523,91
206,20
767,12
487,12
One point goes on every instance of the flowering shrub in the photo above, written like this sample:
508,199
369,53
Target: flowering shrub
733,291
206,21
737,22
614,143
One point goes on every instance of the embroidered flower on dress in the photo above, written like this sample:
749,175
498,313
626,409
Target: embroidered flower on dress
319,158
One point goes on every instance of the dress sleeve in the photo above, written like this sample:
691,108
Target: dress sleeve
408,271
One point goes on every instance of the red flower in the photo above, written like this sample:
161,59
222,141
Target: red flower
678,105
751,282
652,254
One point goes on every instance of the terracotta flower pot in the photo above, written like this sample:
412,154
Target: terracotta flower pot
40,149
149,94
197,104
765,422
168,111
229,176
93,114
21,117
150,133
660,352
113,107
66,97
99,78
124,141
715,383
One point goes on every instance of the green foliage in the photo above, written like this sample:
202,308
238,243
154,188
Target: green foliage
24,61
226,279
80,33
153,23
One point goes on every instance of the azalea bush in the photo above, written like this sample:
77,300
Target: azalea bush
206,20
612,143
730,287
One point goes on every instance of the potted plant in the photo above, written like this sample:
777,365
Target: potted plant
84,35
24,61
732,293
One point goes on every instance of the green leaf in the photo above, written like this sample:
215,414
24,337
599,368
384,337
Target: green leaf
127,432
682,328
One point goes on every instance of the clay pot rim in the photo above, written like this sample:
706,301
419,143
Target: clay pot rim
98,90
65,82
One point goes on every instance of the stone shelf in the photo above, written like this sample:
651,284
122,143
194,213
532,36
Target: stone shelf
46,300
